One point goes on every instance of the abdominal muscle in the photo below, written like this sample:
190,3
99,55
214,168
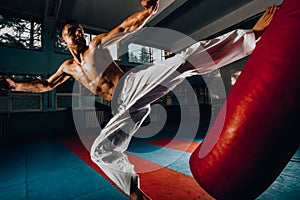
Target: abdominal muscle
102,73
108,81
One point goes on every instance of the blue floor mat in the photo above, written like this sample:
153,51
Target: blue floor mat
48,170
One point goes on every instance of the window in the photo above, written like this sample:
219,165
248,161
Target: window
59,47
20,33
144,55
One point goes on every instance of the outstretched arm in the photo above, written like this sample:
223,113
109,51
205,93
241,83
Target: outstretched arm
129,25
36,86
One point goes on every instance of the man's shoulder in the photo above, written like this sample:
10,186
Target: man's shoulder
96,41
69,62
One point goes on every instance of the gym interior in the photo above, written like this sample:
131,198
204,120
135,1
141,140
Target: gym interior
45,137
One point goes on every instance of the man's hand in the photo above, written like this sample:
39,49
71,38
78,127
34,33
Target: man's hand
150,5
6,83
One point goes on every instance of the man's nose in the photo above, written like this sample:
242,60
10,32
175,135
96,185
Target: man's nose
79,33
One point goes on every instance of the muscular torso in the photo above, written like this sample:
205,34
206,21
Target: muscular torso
96,70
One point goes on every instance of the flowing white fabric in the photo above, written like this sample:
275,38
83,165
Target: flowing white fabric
136,90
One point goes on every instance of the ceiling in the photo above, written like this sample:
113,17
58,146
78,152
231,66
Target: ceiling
195,18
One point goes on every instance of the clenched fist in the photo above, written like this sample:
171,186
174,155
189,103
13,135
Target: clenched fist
151,5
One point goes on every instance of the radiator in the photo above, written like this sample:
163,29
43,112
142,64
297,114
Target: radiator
94,118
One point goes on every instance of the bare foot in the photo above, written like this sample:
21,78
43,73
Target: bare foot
136,193
139,195
265,20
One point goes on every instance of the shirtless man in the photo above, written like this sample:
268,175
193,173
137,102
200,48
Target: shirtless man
99,74
94,67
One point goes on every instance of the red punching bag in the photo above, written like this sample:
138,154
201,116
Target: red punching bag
262,126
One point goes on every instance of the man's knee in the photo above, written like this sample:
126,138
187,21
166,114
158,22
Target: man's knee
140,115
97,151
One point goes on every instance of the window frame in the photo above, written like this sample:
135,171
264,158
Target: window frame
31,19
152,60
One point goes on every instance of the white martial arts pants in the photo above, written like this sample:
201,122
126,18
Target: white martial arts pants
137,89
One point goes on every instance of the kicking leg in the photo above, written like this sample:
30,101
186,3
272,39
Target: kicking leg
108,149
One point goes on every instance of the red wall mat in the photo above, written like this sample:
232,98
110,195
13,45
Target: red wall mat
260,133
181,145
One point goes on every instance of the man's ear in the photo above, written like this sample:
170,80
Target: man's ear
62,40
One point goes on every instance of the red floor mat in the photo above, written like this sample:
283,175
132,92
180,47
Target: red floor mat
181,145
160,183
167,184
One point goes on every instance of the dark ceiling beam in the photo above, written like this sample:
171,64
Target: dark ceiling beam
52,9
166,8
235,17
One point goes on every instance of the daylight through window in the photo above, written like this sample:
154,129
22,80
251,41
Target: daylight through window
20,33
144,55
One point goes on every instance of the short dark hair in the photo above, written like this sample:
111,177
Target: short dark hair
65,22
